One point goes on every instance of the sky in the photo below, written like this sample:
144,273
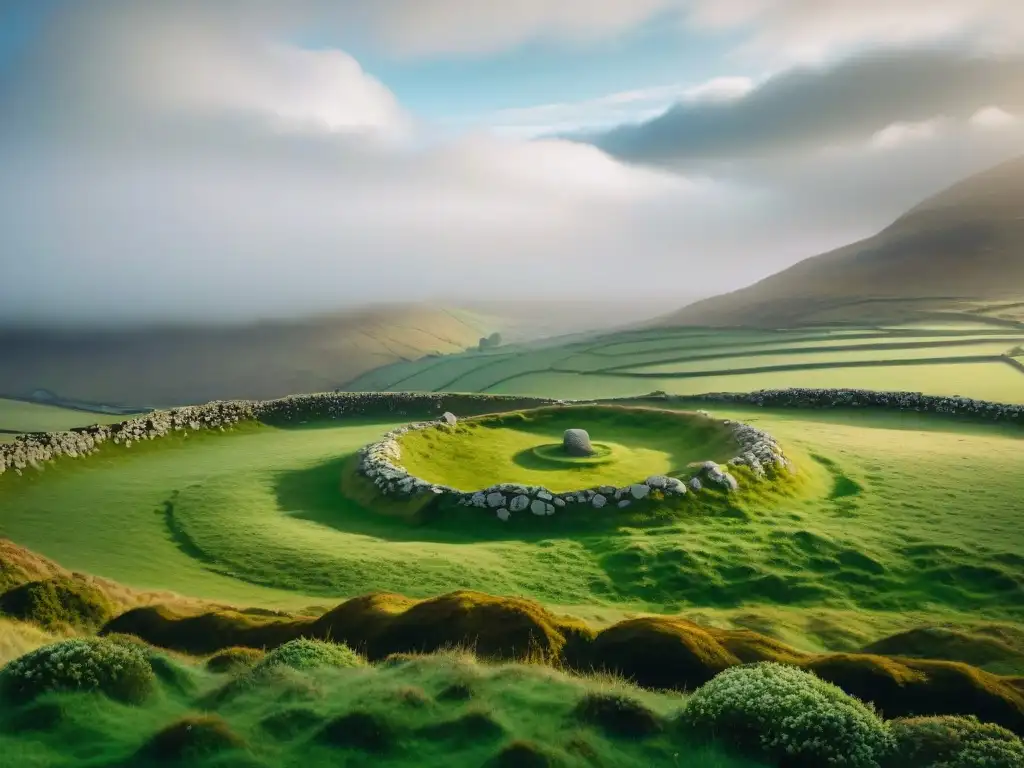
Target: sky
187,160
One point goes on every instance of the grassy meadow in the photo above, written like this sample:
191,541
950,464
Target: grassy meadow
900,535
17,416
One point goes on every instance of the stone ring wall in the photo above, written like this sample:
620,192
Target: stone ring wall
380,464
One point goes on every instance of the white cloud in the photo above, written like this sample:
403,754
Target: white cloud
607,111
819,30
898,134
993,117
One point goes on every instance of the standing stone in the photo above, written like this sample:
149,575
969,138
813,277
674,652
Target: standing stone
576,442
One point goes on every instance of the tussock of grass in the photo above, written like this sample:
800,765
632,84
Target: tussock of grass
234,659
523,754
367,731
618,715
191,738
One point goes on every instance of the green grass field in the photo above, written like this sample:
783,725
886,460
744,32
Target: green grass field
17,416
970,359
900,521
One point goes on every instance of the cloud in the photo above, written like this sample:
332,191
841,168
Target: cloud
168,162
607,112
174,170
807,107
785,31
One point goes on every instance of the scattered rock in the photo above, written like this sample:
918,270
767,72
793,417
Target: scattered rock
599,501
495,500
504,515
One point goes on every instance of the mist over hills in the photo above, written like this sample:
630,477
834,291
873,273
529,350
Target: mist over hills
176,365
961,250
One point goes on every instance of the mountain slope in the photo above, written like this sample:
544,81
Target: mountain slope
961,250
173,366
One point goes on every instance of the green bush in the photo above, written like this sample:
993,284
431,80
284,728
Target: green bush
120,671
954,742
309,654
789,716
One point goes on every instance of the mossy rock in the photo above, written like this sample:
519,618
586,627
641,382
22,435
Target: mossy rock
58,603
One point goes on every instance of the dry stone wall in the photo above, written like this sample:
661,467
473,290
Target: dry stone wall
380,463
34,450
862,398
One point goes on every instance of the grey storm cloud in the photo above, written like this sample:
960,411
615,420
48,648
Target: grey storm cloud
809,107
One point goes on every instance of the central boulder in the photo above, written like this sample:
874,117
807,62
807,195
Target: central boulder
576,442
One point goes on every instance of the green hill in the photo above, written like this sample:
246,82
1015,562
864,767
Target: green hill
960,252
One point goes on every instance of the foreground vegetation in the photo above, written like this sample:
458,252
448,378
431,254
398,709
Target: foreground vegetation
119,701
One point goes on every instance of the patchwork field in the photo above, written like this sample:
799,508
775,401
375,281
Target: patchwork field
944,359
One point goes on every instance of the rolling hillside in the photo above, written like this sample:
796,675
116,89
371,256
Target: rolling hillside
173,366
960,252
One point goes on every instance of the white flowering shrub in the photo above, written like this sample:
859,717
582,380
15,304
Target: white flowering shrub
954,742
84,664
309,654
787,716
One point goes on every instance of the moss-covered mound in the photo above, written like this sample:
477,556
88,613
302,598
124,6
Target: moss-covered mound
233,660
304,653
656,652
191,738
57,603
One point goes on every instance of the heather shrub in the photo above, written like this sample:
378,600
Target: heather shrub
309,654
787,716
120,671
954,742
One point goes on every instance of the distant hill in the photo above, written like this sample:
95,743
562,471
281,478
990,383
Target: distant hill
960,252
174,366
